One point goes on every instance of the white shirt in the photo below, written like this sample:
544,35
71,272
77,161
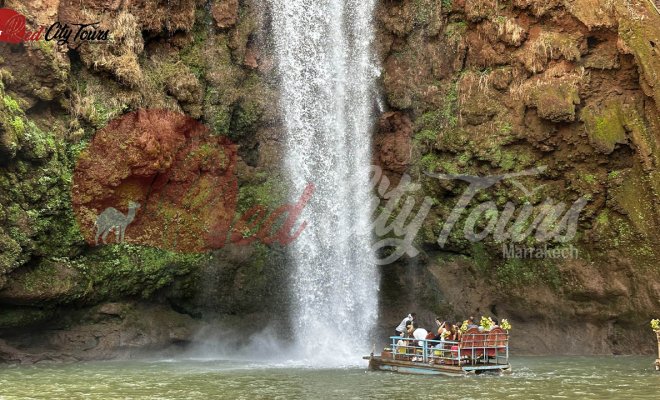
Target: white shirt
402,326
420,333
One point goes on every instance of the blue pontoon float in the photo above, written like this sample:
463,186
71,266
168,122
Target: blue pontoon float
475,353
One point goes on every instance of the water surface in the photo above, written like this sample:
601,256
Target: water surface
533,378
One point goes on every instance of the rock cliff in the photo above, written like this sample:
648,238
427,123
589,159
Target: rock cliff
569,88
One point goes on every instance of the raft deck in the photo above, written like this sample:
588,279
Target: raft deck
476,353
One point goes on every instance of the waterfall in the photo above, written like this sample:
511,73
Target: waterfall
327,73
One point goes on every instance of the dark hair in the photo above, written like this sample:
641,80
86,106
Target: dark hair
496,321
414,315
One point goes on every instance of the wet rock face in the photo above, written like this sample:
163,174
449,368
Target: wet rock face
225,13
182,177
472,87
153,16
57,107
393,142
108,331
491,88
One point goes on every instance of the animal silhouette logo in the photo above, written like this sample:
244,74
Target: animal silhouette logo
113,220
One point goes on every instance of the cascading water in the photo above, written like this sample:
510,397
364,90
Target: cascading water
327,74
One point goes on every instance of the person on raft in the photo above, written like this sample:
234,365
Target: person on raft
401,329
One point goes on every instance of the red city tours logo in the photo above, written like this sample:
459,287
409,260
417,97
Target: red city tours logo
13,28
162,179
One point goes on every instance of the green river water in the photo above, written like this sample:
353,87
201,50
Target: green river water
532,378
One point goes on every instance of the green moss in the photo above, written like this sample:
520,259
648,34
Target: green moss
35,204
613,174
555,101
38,144
20,317
516,273
18,125
429,163
431,120
75,149
603,218
97,101
504,128
455,30
62,226
121,270
640,33
245,119
450,107
103,113
11,104
269,194
426,136
589,178
45,278
508,161
605,126
423,10
636,197
10,252
218,112
464,158
481,258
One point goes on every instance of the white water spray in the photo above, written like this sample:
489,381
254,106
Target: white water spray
327,73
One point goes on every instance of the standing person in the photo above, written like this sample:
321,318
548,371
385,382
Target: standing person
401,329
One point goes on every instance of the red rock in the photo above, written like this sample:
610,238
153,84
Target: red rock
225,13
251,58
393,142
180,174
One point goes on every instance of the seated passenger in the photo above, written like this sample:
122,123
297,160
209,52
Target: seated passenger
410,328
401,346
420,334
441,328
454,333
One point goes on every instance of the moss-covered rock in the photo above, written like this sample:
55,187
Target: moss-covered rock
477,10
12,317
639,28
605,125
120,56
554,100
39,71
